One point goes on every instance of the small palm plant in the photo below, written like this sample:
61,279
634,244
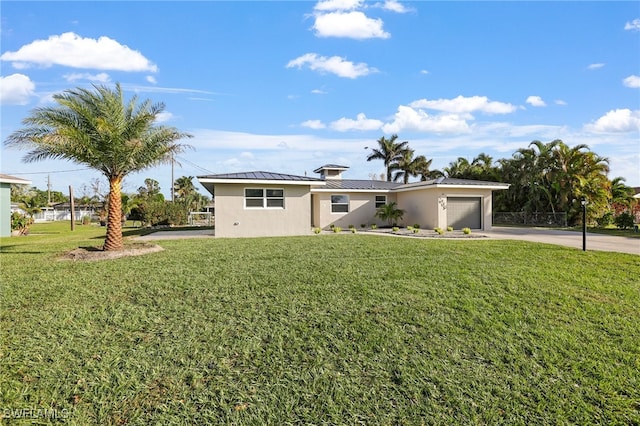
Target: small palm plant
390,212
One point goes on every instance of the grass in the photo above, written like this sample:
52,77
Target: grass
327,329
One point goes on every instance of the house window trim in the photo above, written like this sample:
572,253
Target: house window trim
376,202
265,199
348,203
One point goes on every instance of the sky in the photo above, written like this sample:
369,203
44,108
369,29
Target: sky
292,85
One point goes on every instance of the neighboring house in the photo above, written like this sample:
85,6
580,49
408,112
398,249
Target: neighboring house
255,204
62,211
5,201
636,191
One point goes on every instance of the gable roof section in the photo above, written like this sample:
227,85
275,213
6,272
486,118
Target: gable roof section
12,179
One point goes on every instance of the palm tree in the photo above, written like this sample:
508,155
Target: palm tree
183,187
388,151
407,166
390,212
101,130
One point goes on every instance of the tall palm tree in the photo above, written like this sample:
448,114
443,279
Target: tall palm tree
407,166
388,151
101,130
183,187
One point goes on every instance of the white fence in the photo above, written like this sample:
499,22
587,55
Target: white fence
55,215
200,219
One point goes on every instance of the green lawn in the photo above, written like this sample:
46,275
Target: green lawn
324,329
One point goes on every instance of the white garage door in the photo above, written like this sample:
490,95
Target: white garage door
464,212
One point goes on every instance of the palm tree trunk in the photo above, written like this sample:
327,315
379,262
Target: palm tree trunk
113,241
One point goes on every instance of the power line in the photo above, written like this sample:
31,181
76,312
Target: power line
194,165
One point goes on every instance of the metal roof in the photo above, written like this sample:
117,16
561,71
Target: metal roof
361,184
261,176
13,179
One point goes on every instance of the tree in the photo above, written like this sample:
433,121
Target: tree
390,212
406,166
100,129
183,187
388,151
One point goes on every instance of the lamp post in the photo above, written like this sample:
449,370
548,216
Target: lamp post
583,202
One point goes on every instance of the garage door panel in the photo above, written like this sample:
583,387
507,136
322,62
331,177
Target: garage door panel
464,212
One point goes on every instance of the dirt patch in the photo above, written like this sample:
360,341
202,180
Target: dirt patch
89,254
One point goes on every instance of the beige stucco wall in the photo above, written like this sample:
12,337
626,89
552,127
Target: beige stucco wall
427,207
234,220
362,209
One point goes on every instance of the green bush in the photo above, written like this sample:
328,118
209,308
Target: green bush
450,228
466,231
353,230
163,213
374,226
395,229
337,229
20,222
416,225
624,220
317,230
605,220
439,230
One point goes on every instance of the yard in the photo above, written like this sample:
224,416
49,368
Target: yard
324,329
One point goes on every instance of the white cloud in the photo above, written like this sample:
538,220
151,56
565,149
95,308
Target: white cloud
462,104
633,25
616,121
313,124
164,116
16,89
632,81
360,123
151,79
595,66
318,92
354,24
408,118
536,101
335,65
71,50
394,6
560,102
331,5
102,77
425,72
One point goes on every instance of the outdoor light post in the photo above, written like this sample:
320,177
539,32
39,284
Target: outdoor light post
583,202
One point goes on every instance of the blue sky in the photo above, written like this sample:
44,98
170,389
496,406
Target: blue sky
289,86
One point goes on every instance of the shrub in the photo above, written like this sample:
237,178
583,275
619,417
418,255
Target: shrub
317,230
20,223
163,213
416,230
605,220
362,225
86,220
352,227
439,230
416,225
337,229
450,228
395,229
374,226
353,230
466,231
409,228
624,220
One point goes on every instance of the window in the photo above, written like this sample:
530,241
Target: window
263,198
381,200
339,204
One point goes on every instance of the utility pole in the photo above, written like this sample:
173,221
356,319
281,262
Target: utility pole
48,190
172,181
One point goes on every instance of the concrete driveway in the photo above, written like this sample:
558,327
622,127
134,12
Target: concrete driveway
567,238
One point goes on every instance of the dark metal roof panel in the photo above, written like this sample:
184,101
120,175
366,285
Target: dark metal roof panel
346,184
260,175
